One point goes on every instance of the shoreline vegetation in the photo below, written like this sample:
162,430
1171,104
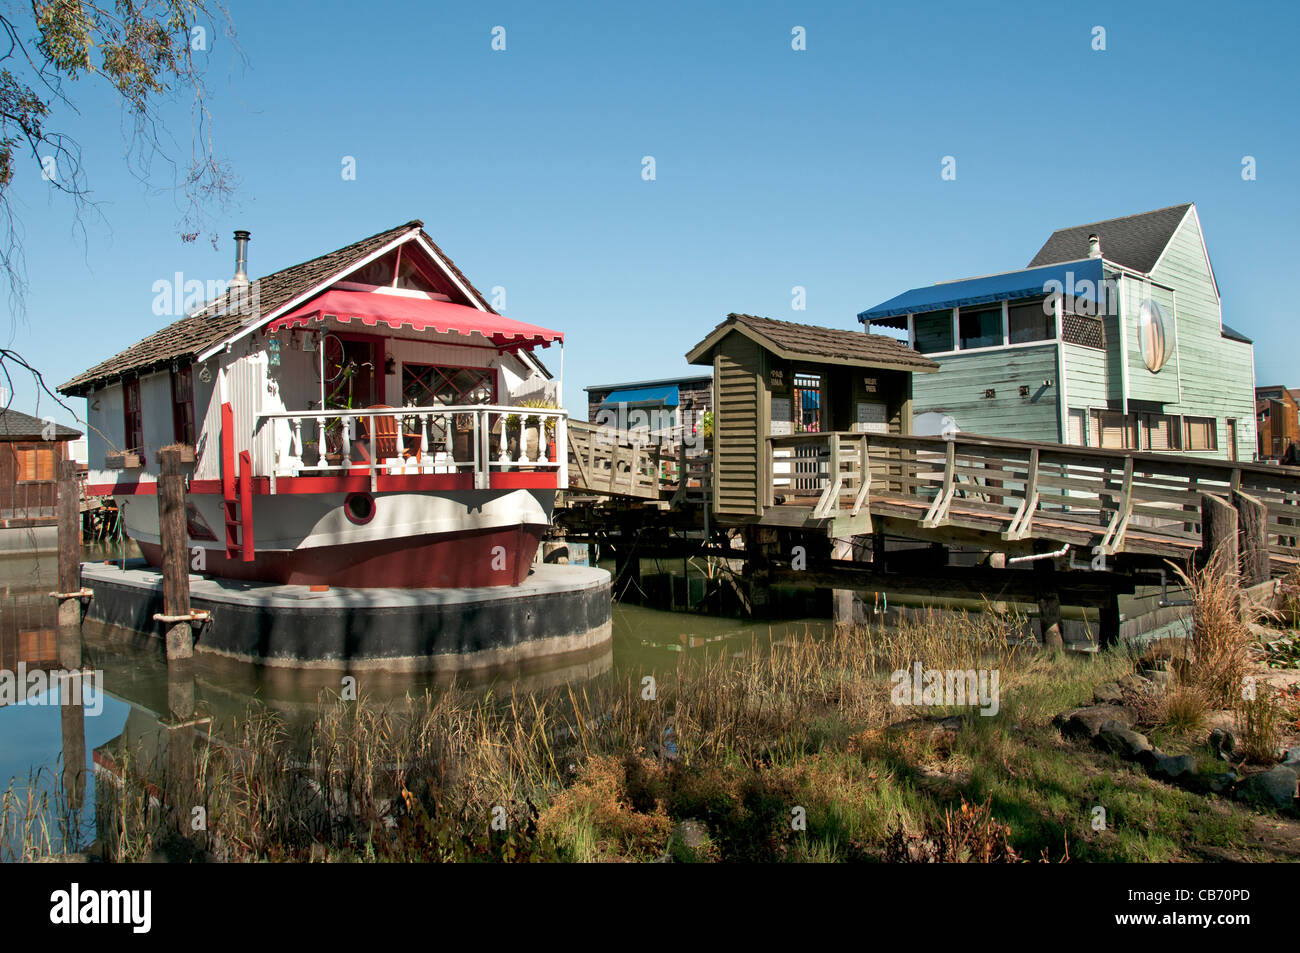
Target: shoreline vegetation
795,750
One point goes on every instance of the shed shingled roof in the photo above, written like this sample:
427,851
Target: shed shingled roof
1134,241
856,346
195,333
15,425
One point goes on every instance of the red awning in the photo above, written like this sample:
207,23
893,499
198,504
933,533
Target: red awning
419,314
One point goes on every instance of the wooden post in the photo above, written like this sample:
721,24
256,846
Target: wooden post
627,571
72,722
1049,605
1218,534
842,599
175,553
999,561
69,520
1110,622
1252,538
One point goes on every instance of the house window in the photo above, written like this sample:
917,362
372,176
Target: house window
133,420
1159,432
183,404
980,328
1200,433
36,464
1029,322
427,385
1113,430
1078,428
933,331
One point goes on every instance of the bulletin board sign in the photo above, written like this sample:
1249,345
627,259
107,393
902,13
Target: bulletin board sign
782,416
871,417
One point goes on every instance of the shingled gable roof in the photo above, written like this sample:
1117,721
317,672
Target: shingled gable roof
816,344
15,425
1134,241
207,327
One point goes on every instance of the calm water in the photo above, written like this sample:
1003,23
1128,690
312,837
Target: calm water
36,731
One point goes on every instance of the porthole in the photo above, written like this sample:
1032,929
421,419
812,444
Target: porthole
359,508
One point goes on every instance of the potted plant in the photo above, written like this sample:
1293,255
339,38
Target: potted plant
513,426
536,420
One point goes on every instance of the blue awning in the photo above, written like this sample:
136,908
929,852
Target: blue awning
644,396
1077,279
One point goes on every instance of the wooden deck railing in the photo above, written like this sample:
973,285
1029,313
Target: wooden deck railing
983,481
831,468
1108,500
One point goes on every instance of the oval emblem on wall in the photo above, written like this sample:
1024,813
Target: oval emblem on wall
1153,335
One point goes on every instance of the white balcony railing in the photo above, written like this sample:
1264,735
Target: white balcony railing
475,438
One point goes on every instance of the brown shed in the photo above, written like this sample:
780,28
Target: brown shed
30,452
782,391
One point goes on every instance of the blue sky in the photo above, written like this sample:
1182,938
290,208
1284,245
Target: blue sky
774,168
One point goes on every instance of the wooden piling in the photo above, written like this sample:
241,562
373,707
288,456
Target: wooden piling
1110,621
842,599
1218,534
69,522
1049,605
1252,539
72,724
175,555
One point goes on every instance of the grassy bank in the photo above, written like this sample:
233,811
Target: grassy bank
795,750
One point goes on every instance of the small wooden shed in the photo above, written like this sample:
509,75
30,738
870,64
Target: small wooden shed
31,450
787,397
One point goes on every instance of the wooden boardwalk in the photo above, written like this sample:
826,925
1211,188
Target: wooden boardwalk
1008,495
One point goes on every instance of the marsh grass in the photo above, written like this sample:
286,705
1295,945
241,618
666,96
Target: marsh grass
1262,724
1220,635
738,744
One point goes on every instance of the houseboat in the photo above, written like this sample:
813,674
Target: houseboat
363,419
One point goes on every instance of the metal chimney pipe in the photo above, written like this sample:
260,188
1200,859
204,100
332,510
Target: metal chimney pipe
241,257
1094,246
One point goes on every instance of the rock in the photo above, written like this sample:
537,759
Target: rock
949,726
1160,678
1134,683
1108,694
1086,722
1221,783
1223,742
1165,767
1263,633
176,849
1117,738
1274,787
1291,758
691,834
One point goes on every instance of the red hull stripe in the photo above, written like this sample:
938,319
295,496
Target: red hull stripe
498,557
351,483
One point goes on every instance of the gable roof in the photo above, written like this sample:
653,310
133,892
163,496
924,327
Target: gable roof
1232,334
207,327
817,344
15,425
1134,241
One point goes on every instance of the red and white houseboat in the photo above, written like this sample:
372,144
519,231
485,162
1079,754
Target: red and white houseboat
363,419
